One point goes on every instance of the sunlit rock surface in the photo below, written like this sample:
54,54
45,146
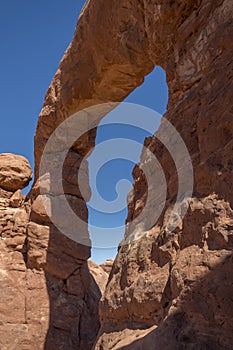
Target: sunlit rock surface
170,291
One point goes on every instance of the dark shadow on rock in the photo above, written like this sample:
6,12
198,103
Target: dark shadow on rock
73,293
202,320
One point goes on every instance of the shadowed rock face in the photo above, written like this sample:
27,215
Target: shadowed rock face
175,287
171,291
31,276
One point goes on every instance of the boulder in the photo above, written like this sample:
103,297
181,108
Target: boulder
15,172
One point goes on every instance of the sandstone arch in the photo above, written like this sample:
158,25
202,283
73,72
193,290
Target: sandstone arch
115,45
101,66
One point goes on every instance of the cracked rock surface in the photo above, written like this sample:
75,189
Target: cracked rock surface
168,291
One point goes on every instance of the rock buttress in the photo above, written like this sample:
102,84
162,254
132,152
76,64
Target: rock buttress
172,290
96,68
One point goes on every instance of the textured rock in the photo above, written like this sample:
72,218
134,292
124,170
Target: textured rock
23,320
114,74
16,199
107,265
99,274
164,291
31,266
202,306
15,172
177,285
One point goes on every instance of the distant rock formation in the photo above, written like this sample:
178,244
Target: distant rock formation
107,265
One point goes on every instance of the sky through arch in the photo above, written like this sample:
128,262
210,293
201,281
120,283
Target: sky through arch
153,93
34,36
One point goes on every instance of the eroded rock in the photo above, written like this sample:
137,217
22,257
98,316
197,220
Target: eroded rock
162,281
15,172
168,291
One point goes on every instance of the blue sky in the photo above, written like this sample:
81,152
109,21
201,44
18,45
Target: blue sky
34,36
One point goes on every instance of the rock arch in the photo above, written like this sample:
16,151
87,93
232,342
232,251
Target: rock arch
116,43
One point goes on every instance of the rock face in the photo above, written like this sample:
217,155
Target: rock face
99,275
115,72
26,317
176,286
107,265
170,291
21,322
15,172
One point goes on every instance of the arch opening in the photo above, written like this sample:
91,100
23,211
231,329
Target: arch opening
113,180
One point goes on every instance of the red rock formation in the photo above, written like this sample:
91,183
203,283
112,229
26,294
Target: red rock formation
15,172
167,290
29,271
92,71
107,265
177,285
21,323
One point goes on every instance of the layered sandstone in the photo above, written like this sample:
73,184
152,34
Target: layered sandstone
31,267
167,290
175,286
91,72
23,320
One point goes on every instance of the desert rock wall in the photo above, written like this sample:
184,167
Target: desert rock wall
96,68
176,284
23,320
41,309
169,289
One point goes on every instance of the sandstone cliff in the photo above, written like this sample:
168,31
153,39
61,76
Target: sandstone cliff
167,290
40,310
176,287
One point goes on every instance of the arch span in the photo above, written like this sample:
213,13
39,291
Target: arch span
116,44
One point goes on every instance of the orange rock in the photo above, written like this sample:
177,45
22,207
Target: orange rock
15,172
168,291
